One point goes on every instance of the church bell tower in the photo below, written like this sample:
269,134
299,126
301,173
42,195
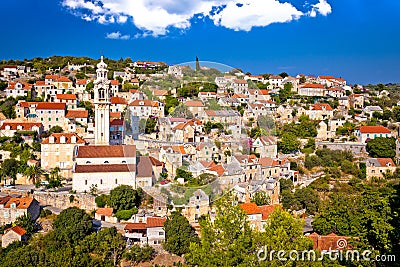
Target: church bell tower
102,105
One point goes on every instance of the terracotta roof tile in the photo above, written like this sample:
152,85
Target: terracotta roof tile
66,96
104,168
191,103
135,226
105,211
68,138
17,229
386,162
76,113
116,115
155,222
26,126
118,100
321,107
117,151
313,85
250,208
374,129
47,105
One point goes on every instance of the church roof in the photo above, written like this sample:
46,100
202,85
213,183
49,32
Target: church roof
117,151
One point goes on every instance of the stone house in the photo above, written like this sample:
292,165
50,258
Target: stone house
58,150
16,233
377,167
13,207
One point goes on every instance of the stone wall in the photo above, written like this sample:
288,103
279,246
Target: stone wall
61,200
358,149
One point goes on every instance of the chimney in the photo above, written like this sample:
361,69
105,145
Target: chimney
51,139
73,139
62,139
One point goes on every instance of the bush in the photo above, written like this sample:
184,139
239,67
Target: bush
126,214
101,201
44,213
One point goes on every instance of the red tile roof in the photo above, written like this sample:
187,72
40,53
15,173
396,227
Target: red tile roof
114,82
66,96
47,105
321,107
135,226
20,202
326,77
313,85
374,129
82,82
116,115
386,162
117,122
329,242
267,210
250,208
40,83
118,100
240,81
68,138
155,222
105,168
51,77
139,103
157,92
76,113
118,151
63,79
191,103
25,86
17,229
26,126
105,211
218,169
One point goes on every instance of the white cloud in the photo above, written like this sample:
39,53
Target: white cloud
252,13
117,35
156,17
322,7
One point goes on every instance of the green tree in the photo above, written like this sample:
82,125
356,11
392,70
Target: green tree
261,198
72,225
288,143
9,168
197,64
126,214
381,147
151,123
179,234
33,172
26,222
56,129
137,254
225,241
124,197
102,200
182,111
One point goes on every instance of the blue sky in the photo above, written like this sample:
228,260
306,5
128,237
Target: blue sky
358,40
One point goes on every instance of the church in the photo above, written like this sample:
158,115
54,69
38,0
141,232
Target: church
103,166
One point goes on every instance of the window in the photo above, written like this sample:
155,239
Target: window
56,119
6,214
13,205
49,119
160,233
87,162
101,181
116,181
106,161
85,182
